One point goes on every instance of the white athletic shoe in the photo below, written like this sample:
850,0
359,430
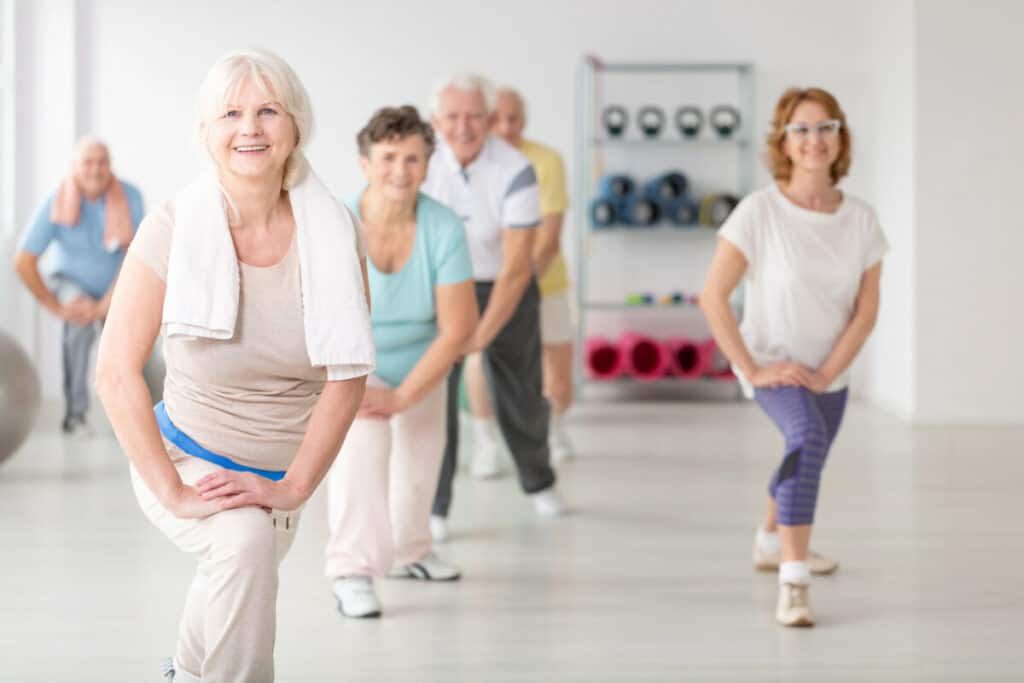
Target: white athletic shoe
171,672
559,443
356,597
794,607
439,528
486,459
549,503
77,428
429,568
819,565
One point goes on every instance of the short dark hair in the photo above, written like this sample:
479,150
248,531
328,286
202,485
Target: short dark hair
389,123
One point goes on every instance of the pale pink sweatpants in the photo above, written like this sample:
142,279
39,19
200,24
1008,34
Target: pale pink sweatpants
381,487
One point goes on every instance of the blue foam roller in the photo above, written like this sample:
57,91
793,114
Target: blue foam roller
640,211
616,186
666,187
603,213
683,212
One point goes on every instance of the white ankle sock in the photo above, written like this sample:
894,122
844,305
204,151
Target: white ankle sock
798,573
768,541
484,430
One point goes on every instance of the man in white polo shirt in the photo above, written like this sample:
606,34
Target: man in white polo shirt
493,188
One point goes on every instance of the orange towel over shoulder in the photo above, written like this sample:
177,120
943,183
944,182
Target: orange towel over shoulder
117,228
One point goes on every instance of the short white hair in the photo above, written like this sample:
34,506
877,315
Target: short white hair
268,72
464,82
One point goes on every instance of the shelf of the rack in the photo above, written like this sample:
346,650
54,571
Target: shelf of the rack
632,67
610,306
673,143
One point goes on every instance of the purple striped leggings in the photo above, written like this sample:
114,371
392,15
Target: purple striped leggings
809,423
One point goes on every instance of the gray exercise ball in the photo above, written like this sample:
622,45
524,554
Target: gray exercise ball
20,396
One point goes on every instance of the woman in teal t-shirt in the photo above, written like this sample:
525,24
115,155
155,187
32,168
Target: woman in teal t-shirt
424,310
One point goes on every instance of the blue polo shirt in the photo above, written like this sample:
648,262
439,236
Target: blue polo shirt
78,252
403,311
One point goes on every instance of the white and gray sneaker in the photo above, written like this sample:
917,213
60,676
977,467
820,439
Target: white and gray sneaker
549,503
794,606
171,672
356,597
429,568
559,443
486,459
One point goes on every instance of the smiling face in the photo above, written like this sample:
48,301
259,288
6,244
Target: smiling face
252,136
92,170
817,150
396,168
509,118
463,121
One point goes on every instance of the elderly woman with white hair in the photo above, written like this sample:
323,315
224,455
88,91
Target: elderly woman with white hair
88,222
256,277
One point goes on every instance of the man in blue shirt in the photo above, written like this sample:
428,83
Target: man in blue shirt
88,221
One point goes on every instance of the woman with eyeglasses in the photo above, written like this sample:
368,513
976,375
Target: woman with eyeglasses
811,256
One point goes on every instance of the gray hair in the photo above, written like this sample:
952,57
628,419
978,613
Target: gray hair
464,82
509,90
273,75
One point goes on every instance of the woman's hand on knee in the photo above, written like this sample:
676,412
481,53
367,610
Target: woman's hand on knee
229,490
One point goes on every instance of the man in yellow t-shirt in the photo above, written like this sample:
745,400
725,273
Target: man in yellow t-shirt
556,331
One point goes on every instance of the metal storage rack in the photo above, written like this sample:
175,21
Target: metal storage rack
593,143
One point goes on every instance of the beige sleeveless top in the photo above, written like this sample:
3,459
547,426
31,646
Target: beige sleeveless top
250,397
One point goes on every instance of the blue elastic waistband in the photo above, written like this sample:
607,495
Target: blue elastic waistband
187,445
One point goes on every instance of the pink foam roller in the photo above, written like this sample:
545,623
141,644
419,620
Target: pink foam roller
687,358
718,365
602,359
644,358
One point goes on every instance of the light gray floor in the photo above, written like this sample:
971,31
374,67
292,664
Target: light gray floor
649,581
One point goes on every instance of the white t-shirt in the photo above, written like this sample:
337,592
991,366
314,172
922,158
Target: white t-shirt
803,275
496,191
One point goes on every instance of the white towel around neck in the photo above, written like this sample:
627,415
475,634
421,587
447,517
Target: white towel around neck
201,299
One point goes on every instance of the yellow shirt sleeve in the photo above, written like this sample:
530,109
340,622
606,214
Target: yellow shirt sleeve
547,164
550,177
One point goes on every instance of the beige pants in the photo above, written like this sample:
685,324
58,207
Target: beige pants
381,486
228,626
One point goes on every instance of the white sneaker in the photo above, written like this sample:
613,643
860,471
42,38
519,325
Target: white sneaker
559,443
819,565
356,597
77,428
486,460
439,528
549,503
561,448
429,568
171,672
794,606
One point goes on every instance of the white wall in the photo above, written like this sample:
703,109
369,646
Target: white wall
355,57
970,236
46,127
135,68
886,375
147,60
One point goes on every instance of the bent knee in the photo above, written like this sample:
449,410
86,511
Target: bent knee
244,537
